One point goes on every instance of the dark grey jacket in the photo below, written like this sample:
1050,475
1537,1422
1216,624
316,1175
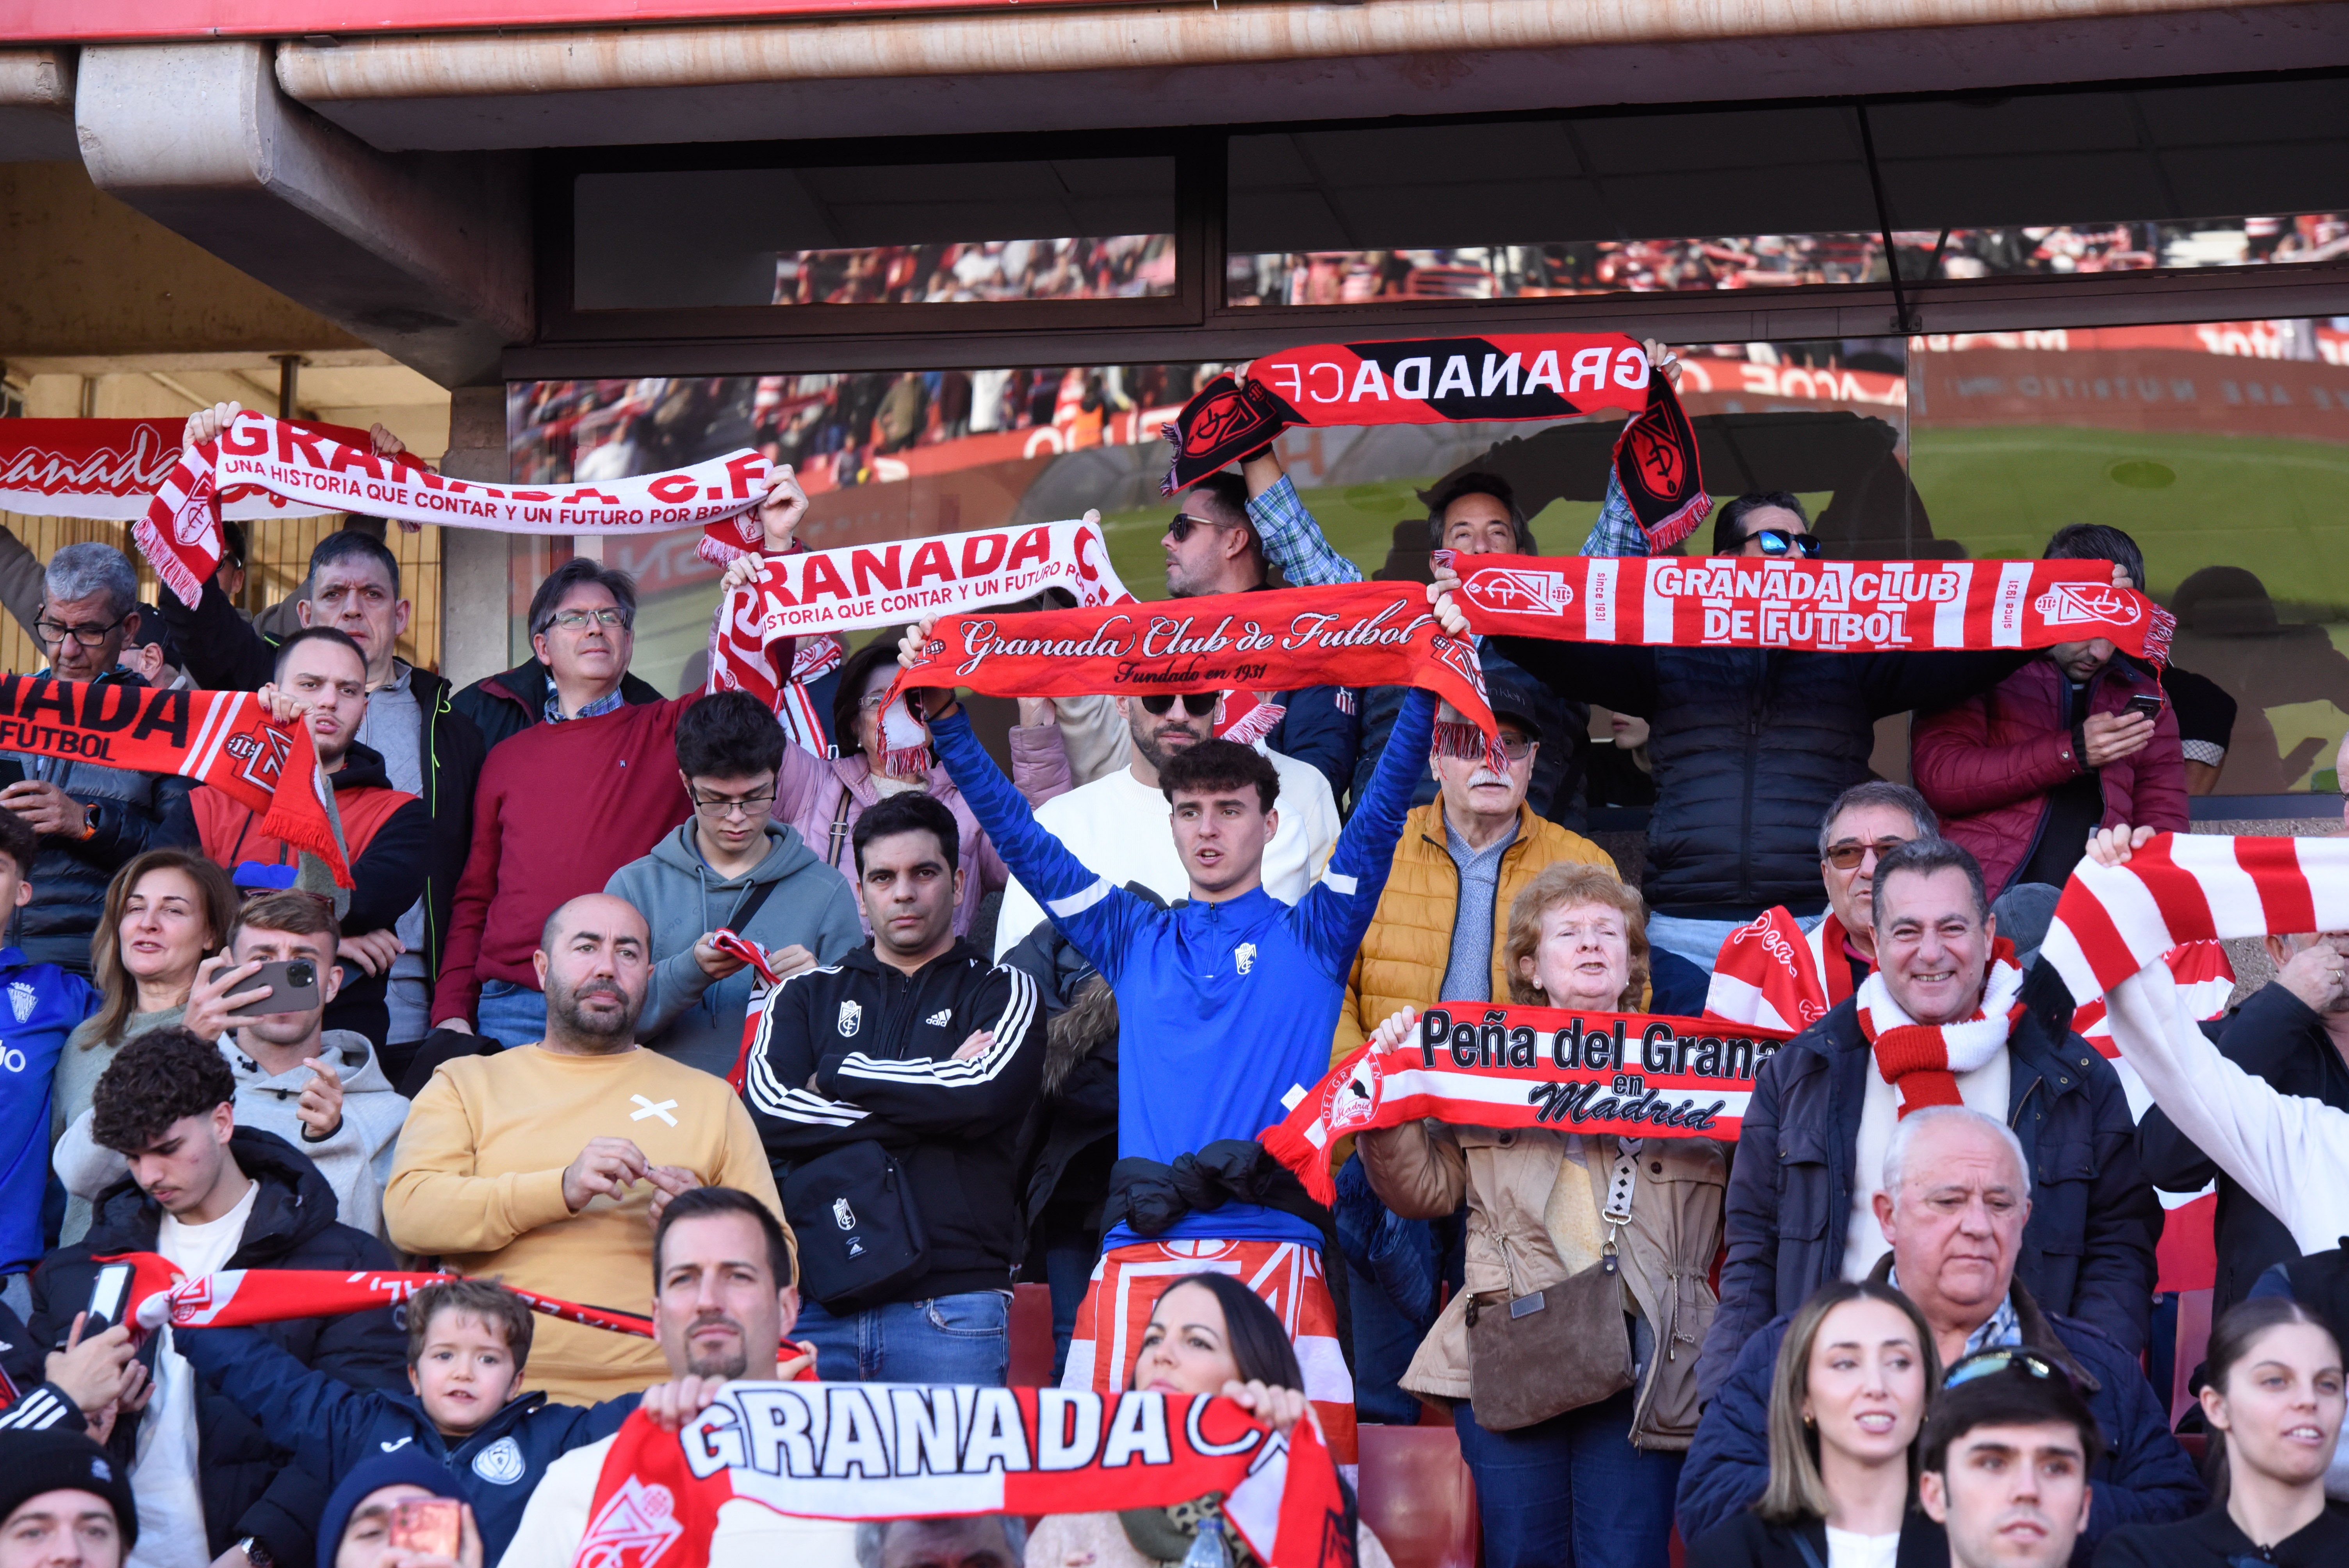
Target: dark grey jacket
2086,1252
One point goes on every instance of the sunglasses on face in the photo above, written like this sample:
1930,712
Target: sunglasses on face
1844,857
1180,528
1198,704
1990,1362
1779,542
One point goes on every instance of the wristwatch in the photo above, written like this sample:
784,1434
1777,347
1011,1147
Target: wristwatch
256,1551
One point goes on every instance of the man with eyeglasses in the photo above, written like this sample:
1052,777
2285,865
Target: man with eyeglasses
582,782
730,866
1212,548
1867,822
1096,821
1940,1022
93,820
1953,1209
428,748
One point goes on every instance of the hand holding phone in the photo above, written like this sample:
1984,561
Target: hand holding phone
2146,704
293,986
433,1526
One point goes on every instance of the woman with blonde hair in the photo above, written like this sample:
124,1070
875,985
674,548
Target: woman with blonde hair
166,912
1855,1376
1569,1359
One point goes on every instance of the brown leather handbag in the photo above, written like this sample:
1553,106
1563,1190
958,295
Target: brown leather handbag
1558,1348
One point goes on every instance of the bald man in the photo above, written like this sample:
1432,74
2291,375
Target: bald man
475,1181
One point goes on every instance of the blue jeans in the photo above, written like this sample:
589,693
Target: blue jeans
510,1014
1699,941
963,1338
1571,1491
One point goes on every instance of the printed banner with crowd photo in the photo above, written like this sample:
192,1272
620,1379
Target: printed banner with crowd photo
826,593
1446,380
1356,634
1473,1063
178,531
107,471
1830,606
894,1450
223,739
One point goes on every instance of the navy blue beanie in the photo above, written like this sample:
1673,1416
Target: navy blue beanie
409,1469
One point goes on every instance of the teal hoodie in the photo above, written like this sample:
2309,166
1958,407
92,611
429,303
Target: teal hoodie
687,1017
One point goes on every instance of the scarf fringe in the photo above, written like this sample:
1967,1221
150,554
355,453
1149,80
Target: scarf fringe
1460,738
1680,523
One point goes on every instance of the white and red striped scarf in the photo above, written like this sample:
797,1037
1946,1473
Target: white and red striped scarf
1922,1062
1476,1064
180,534
161,1294
881,1450
1772,973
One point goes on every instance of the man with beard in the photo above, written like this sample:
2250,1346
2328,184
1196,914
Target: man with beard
480,1183
1098,821
723,1300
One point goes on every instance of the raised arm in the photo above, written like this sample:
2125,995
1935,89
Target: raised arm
1337,910
1292,540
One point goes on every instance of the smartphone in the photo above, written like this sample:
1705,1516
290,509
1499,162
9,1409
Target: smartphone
429,1524
11,772
2144,704
293,988
105,1295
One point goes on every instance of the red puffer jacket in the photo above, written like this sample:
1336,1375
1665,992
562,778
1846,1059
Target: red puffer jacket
1987,764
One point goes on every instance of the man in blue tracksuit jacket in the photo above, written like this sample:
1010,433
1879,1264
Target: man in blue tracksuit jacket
1224,1005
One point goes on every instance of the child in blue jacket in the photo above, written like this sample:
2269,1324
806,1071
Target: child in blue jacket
467,1342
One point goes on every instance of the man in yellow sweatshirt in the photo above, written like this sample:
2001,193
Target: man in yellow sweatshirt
479,1179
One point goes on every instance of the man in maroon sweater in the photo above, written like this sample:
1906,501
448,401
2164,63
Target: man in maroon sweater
566,801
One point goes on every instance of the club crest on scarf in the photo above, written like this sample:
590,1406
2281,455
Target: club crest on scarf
635,1530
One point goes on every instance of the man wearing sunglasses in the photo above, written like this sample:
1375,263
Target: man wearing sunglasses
1956,1199
92,820
1212,548
1098,821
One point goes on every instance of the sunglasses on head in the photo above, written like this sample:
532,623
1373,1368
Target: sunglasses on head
1180,528
1844,857
1197,704
1990,1362
1778,542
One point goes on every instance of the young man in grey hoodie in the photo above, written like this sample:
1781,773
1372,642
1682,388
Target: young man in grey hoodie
320,1089
730,867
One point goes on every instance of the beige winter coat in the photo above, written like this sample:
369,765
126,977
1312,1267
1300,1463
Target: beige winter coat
1516,1227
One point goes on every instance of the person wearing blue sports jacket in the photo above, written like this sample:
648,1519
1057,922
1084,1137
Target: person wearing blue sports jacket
468,1341
39,1006
1225,1003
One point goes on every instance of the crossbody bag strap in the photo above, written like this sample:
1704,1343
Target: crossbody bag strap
745,911
1620,1182
839,827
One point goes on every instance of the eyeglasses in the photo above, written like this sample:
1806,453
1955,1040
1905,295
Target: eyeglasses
872,699
1180,528
1844,857
750,806
54,631
1197,704
1779,542
1516,747
579,620
1990,1362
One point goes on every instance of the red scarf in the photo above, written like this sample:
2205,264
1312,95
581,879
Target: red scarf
1476,1064
180,535
1774,973
1355,634
1829,606
875,1451
1440,380
1922,1062
223,739
238,1298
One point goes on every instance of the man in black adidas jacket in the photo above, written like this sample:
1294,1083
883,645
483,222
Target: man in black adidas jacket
911,1045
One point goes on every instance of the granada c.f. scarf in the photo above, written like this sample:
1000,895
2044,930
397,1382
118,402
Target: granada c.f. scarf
1440,380
237,1298
1352,635
1475,1064
223,739
883,1450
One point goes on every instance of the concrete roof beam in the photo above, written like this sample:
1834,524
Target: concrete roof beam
427,256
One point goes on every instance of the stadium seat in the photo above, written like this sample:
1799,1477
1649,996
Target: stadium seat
1417,1496
1031,1336
2193,1343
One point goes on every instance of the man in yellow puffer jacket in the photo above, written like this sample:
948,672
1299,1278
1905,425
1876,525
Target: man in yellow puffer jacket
1479,836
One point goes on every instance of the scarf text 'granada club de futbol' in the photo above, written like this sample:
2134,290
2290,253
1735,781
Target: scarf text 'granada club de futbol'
1353,634
1443,380
223,739
180,537
894,1450
1474,1063
1827,606
109,469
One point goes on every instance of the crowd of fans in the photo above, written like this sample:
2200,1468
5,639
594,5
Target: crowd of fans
807,1059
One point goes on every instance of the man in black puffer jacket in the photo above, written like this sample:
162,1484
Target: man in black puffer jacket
210,1195
913,1043
1749,746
